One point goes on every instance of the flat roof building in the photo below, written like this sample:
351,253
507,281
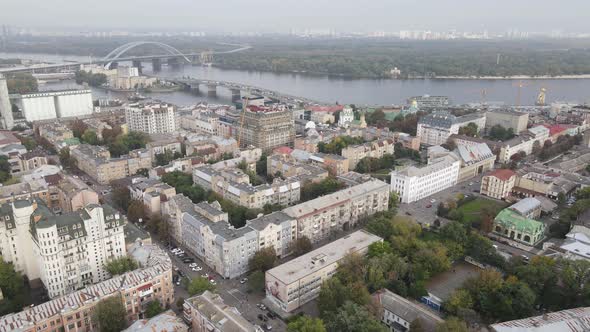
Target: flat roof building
290,285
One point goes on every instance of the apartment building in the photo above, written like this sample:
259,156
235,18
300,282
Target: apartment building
96,161
318,218
234,185
335,164
266,127
374,149
292,284
523,143
70,194
161,144
201,122
210,147
208,312
475,159
498,184
57,134
32,189
509,119
185,165
166,321
74,312
152,118
413,183
151,192
288,166
436,127
66,252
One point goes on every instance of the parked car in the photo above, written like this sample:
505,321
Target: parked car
268,327
243,281
188,260
192,265
270,315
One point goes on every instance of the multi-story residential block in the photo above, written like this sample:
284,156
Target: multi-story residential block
292,284
201,122
72,194
266,127
575,319
399,313
31,160
475,159
152,118
161,144
516,227
151,192
57,134
517,121
436,127
185,165
498,184
96,161
335,164
407,141
66,252
208,312
97,125
166,321
287,166
374,149
32,189
413,183
523,143
318,218
234,185
74,312
210,147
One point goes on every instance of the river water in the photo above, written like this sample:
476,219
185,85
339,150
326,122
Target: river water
355,91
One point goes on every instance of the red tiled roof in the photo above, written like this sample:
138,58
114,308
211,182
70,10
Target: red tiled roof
329,109
502,174
283,150
558,128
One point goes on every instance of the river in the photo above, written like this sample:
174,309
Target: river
355,91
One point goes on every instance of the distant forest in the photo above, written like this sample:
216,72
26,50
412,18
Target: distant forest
359,58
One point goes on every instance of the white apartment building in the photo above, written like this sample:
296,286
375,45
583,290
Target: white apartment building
523,143
66,252
413,183
152,118
436,127
292,284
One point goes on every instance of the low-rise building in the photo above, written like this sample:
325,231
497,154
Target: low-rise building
152,193
72,194
185,165
208,312
399,313
200,122
166,321
161,144
516,227
292,284
413,183
475,160
528,207
498,184
374,149
577,243
335,164
523,143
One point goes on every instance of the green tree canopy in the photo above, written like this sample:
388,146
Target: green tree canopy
120,265
198,285
154,308
306,324
110,314
264,259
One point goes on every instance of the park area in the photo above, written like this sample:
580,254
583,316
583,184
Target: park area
473,211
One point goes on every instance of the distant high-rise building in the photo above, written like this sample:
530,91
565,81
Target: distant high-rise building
7,121
152,119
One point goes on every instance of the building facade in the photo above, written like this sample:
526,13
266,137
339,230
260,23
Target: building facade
55,104
152,118
292,284
516,227
517,121
436,127
208,313
399,313
374,149
413,184
267,127
498,184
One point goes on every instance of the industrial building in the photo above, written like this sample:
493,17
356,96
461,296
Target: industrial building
55,104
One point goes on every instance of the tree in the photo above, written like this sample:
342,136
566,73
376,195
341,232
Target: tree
4,169
333,294
379,249
459,299
110,314
154,308
256,281
13,288
352,317
90,137
121,197
311,190
198,285
158,226
78,128
28,142
302,245
470,129
180,302
416,325
264,259
452,324
499,133
65,159
21,83
136,211
306,324
120,265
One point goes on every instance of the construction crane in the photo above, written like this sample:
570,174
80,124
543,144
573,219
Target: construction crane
541,97
244,107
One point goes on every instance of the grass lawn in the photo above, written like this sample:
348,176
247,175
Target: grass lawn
472,210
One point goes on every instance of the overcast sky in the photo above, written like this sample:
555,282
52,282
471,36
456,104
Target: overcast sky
283,15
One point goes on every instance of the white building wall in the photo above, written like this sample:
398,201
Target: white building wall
414,188
38,108
74,104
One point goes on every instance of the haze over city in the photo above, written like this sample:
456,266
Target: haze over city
272,16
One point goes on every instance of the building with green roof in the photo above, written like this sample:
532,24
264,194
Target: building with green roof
514,226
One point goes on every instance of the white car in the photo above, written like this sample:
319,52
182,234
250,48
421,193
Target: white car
243,281
212,282
192,265
433,201
179,253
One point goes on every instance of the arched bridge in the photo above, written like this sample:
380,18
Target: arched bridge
119,51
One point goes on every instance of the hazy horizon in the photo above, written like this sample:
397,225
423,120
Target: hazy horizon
267,16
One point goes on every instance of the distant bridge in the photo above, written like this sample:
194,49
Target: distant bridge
117,55
193,84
